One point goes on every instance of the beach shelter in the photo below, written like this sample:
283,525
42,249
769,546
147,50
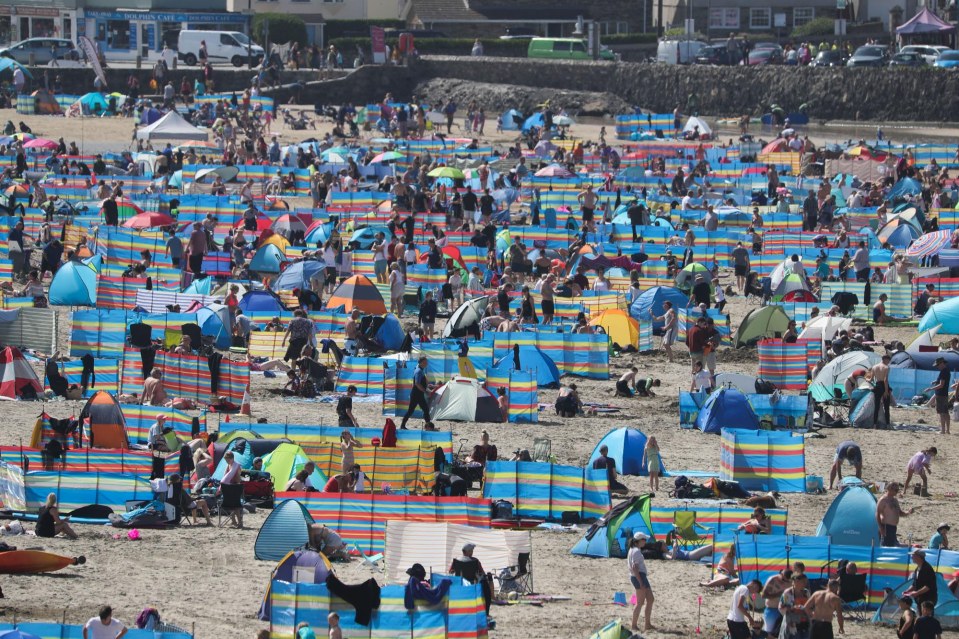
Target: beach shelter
286,528
466,317
298,275
285,462
199,286
610,535
650,302
268,259
946,610
92,103
463,399
386,331
535,120
511,120
763,459
528,357
726,407
288,224
851,518
626,446
862,413
694,123
297,566
318,233
357,292
103,422
245,448
16,375
905,187
833,375
261,302
687,277
760,323
171,126
214,320
615,629
45,103
621,328
825,327
792,284
75,284
944,314
898,233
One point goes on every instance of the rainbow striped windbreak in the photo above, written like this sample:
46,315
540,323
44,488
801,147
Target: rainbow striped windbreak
548,490
51,630
763,460
520,392
409,469
93,460
787,365
187,376
74,489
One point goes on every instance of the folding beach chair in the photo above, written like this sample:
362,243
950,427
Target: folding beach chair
685,529
518,578
852,591
231,503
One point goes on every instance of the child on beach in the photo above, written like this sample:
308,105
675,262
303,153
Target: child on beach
334,620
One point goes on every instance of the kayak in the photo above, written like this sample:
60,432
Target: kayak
26,562
515,523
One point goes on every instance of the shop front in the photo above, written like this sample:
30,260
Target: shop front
21,22
124,35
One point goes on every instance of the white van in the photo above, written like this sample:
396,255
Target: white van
673,51
221,46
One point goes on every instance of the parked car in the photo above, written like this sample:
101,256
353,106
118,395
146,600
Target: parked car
714,54
929,52
870,55
767,45
43,49
948,59
564,49
672,51
221,46
765,56
907,59
519,33
829,58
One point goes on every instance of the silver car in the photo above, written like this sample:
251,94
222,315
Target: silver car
43,49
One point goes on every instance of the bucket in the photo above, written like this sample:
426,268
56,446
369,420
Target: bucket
814,483
619,598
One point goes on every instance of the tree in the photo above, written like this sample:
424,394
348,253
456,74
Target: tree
282,28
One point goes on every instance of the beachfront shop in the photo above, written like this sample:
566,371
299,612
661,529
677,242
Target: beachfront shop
123,35
19,23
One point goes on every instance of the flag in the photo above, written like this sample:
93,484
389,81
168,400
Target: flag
90,51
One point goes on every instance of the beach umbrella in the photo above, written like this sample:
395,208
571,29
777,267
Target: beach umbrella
466,316
127,208
686,277
387,156
17,634
288,224
929,244
10,63
776,146
149,219
23,137
17,190
554,171
40,143
447,172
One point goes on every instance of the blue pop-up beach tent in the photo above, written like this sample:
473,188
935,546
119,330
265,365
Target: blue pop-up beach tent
851,518
75,284
530,358
650,302
725,407
626,446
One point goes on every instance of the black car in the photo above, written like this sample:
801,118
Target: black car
870,55
907,59
714,54
829,58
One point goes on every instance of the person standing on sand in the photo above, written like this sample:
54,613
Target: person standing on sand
739,611
821,607
669,330
888,512
640,581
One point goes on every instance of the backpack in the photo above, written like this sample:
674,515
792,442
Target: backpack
143,620
764,387
681,487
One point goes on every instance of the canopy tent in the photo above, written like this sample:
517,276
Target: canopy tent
466,318
610,535
75,284
726,406
650,302
360,293
103,420
171,126
17,376
434,545
463,399
527,357
833,375
763,459
626,447
298,275
760,323
851,518
694,123
268,259
621,328
286,528
923,23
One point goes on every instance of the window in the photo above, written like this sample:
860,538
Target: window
560,45
724,18
613,28
579,46
760,18
803,15
118,34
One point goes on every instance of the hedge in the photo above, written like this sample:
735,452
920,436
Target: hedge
283,28
514,48
356,28
816,27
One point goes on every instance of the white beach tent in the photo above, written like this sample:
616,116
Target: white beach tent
693,122
436,545
171,126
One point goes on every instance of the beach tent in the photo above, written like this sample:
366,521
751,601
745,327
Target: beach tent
528,357
286,528
288,224
357,292
297,566
387,331
610,535
626,446
298,275
833,375
650,302
261,302
364,237
214,320
104,422
863,412
268,259
946,610
923,352
510,120
535,120
171,126
318,233
11,64
45,103
466,317
199,286
621,328
463,399
687,277
615,629
905,187
825,327
723,407
92,103
763,459
75,284
944,314
792,284
222,290
16,375
851,518
285,462
760,323
245,448
693,122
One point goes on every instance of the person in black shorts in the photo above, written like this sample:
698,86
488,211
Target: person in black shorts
344,409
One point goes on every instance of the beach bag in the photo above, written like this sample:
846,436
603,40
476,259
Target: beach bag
501,509
147,619
681,486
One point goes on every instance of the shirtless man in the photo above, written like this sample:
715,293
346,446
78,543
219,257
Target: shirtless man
879,311
548,304
821,607
888,512
773,589
184,347
881,390
352,331
669,330
588,199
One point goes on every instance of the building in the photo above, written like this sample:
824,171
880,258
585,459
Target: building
24,19
722,17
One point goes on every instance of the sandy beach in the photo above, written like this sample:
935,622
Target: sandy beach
207,578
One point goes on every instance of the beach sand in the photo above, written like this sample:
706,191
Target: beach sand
207,578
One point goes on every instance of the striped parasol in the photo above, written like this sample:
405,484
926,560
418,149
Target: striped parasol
929,244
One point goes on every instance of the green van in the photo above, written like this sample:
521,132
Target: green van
564,49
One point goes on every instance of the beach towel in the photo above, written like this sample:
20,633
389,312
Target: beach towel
364,597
